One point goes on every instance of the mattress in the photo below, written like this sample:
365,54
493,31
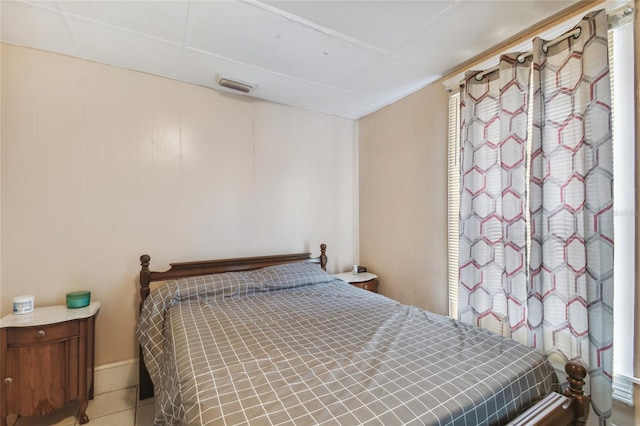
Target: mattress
291,344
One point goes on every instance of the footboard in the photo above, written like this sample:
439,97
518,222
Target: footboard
570,408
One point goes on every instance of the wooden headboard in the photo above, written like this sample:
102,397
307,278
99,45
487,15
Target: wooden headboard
207,267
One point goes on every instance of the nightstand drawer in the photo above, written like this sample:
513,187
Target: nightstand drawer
43,333
371,285
364,280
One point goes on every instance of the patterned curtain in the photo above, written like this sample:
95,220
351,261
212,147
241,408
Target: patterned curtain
571,267
492,250
558,297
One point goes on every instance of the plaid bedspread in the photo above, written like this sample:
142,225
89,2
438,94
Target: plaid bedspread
292,345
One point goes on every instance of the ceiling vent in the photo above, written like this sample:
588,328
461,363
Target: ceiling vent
238,86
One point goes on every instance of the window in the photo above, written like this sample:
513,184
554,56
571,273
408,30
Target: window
621,75
453,200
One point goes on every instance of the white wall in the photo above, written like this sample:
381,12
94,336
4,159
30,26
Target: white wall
403,198
101,165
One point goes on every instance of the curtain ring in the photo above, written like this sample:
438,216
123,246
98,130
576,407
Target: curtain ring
576,35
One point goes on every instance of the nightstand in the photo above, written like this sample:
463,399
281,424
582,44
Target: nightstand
47,360
364,280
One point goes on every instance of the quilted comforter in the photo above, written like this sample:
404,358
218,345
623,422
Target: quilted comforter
292,345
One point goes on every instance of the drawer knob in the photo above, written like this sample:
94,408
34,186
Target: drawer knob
8,380
40,333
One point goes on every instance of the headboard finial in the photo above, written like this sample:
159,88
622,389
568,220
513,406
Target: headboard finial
323,256
145,277
145,259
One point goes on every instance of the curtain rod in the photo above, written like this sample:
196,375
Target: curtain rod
575,33
619,14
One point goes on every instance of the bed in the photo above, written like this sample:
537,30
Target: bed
277,340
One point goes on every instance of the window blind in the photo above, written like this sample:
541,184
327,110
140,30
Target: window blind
453,200
622,113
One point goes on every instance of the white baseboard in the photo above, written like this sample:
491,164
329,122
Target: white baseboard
116,375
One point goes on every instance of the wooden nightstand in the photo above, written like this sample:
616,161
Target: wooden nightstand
364,280
47,360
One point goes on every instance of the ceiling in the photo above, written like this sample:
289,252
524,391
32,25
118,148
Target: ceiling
346,58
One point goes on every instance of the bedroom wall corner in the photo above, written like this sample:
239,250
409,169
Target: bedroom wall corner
403,198
356,193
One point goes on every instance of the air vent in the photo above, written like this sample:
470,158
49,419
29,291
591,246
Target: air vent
238,86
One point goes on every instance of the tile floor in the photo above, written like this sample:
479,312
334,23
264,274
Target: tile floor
117,408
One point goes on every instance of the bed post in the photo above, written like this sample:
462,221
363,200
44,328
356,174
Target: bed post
575,376
145,384
323,256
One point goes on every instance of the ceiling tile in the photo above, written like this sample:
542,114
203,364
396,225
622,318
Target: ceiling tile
124,49
203,69
390,78
45,4
162,19
472,27
248,34
345,105
383,24
30,25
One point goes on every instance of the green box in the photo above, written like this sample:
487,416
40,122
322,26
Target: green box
78,299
